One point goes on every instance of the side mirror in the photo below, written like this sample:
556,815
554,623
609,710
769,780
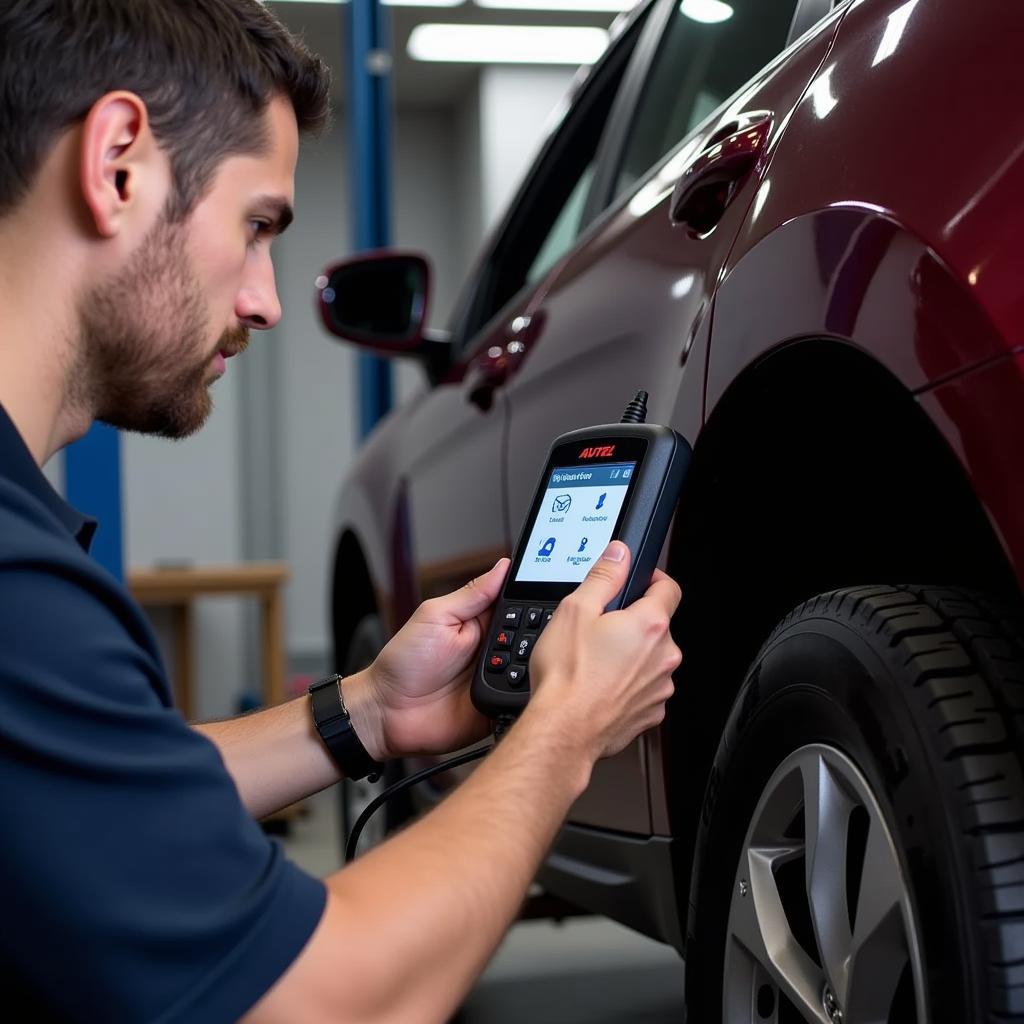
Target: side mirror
377,300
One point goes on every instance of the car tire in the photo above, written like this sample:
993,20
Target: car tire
366,643
860,854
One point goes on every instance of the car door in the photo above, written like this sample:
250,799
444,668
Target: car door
455,439
628,306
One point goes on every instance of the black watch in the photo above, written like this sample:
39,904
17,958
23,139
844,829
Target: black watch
331,718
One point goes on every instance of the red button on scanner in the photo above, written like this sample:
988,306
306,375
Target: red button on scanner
497,661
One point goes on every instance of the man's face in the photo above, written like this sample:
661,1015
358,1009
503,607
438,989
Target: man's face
156,335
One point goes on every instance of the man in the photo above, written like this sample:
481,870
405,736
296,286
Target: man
147,161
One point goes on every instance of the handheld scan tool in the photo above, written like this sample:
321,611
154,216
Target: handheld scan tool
614,481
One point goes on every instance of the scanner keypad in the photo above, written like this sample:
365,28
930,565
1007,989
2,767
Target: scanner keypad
506,666
524,645
504,638
497,662
510,616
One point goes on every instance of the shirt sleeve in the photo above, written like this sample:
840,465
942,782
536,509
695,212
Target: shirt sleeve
139,886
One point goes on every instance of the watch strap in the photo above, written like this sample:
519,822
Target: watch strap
332,721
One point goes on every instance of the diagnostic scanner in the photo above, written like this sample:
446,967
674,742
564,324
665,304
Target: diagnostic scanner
614,481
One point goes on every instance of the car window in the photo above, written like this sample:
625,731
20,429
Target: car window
549,216
697,67
565,230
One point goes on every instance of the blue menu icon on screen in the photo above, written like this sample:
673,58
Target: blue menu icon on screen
549,546
600,501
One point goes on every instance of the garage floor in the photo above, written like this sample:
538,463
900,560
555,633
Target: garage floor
583,970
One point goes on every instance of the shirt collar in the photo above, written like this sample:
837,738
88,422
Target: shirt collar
18,466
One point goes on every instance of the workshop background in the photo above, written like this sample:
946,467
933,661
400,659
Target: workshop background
259,482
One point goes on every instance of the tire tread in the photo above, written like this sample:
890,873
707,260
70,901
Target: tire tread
965,654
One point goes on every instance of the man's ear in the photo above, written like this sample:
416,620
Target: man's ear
119,157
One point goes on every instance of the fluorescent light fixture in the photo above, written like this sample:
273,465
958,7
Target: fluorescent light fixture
507,44
582,6
387,3
708,11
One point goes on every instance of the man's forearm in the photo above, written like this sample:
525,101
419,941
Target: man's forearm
414,920
276,757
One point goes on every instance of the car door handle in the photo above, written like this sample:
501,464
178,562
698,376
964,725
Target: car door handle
711,182
493,368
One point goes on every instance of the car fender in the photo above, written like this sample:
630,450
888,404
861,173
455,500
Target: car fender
856,276
371,508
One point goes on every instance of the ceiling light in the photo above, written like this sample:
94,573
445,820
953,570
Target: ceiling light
387,3
580,6
708,11
507,44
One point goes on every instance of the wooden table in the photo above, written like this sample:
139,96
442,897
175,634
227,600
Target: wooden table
177,589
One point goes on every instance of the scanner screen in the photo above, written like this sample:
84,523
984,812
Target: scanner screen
577,514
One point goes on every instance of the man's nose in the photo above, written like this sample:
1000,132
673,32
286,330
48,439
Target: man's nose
258,306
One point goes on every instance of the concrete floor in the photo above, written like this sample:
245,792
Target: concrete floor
583,970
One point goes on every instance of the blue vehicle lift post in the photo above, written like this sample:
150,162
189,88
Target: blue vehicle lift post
92,483
370,137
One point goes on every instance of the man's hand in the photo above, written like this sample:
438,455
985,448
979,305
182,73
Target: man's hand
607,675
420,681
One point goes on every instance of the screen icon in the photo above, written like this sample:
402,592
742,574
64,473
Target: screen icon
600,501
627,473
615,473
583,544
561,503
549,546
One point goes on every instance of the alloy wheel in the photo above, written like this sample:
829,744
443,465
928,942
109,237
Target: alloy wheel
821,927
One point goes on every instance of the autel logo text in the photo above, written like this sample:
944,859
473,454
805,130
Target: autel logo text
597,453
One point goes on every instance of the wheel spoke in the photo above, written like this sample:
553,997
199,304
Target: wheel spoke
827,808
863,954
880,946
758,923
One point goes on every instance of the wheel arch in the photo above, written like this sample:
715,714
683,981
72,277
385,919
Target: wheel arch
352,592
814,440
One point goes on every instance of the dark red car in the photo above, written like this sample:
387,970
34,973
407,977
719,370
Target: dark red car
802,231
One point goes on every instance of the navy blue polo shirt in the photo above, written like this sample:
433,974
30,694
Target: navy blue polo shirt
134,886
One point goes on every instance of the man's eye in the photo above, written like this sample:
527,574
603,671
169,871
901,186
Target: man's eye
260,229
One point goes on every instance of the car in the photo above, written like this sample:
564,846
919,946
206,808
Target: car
799,229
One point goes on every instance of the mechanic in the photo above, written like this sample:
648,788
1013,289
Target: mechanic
148,157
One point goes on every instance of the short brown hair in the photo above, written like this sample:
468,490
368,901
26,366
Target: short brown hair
206,70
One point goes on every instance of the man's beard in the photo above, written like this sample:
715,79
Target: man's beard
138,367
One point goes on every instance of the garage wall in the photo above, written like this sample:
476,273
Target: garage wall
515,104
318,374
183,502
468,177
